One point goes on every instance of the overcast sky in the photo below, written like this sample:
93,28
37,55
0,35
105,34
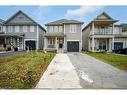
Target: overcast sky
45,14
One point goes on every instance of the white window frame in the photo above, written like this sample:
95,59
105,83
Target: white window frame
50,28
56,29
4,29
32,29
73,28
10,29
60,29
25,28
17,29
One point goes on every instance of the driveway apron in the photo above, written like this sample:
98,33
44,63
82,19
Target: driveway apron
94,73
60,74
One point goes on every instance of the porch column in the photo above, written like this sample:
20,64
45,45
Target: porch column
113,37
64,43
11,40
56,42
93,42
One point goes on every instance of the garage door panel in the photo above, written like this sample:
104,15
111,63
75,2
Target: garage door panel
30,44
73,46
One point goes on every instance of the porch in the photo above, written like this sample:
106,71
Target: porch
9,40
54,43
101,44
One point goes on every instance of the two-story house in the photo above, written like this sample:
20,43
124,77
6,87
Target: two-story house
103,34
23,32
64,34
120,36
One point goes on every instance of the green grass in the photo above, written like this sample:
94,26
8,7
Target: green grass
14,69
117,61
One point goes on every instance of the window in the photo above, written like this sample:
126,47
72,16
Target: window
4,28
73,28
55,28
24,28
31,28
10,29
60,28
0,28
51,41
50,28
16,28
102,44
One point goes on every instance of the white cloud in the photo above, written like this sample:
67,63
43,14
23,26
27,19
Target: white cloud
83,10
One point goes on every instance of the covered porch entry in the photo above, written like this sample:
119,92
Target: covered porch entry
101,44
56,42
9,40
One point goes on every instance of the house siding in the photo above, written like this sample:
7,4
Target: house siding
73,36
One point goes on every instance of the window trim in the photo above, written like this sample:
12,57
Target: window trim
25,28
73,28
17,28
33,30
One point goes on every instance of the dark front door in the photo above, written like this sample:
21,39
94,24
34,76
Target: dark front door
31,45
73,46
118,45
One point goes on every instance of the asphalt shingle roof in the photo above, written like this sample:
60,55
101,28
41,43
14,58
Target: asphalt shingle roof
63,21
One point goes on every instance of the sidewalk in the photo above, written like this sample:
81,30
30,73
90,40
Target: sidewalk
60,74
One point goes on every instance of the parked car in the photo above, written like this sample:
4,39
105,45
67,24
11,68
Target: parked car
121,51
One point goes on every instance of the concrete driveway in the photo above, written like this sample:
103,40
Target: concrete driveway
60,74
97,74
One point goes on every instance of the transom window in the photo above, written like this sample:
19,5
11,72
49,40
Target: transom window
73,28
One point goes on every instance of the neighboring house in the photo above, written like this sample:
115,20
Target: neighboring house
64,34
103,34
23,32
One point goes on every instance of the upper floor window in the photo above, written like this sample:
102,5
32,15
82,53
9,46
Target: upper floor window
50,28
24,28
60,29
0,28
55,28
73,28
17,29
31,28
4,28
10,28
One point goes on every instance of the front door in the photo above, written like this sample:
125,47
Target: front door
102,44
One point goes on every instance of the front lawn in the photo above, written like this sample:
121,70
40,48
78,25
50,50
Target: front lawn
23,71
118,61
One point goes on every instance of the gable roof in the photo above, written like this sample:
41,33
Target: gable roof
64,21
99,18
2,21
26,16
103,16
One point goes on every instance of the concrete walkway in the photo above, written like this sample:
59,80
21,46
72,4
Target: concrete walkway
94,73
60,74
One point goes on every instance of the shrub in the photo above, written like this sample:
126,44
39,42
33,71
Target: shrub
15,49
8,49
